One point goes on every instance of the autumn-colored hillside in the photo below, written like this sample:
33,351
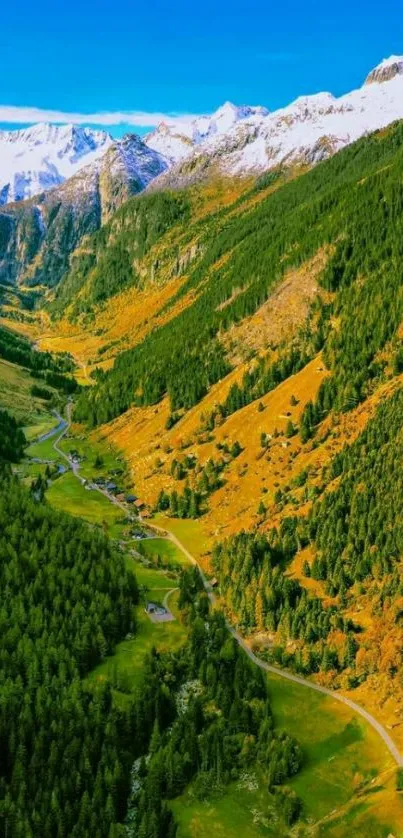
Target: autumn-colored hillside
246,358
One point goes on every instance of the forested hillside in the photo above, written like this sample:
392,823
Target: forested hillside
353,202
347,521
255,332
215,724
66,600
107,264
70,749
355,537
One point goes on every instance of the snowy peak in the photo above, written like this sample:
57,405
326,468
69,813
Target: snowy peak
135,160
43,156
226,116
234,139
64,138
175,141
386,70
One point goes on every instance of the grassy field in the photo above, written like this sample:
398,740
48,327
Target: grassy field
189,533
346,764
44,450
68,494
165,551
347,782
28,471
124,668
41,427
155,582
89,450
242,811
15,395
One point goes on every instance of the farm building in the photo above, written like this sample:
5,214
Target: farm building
131,498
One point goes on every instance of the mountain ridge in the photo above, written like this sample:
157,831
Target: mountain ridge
44,155
304,132
235,141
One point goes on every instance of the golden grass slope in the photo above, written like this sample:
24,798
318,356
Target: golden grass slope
280,316
15,395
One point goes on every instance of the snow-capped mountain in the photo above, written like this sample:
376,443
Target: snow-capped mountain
241,140
386,70
234,139
76,178
43,156
37,236
175,142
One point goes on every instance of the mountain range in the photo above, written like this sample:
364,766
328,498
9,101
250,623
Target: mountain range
221,320
58,183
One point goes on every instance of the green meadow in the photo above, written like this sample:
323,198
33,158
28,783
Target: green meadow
188,531
124,668
44,424
165,551
15,396
346,782
98,459
44,450
69,494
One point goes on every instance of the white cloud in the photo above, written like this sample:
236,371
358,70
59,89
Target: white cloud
21,115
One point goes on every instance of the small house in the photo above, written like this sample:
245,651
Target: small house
214,583
154,608
139,504
110,486
131,498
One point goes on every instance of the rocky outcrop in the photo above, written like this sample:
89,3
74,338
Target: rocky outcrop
388,69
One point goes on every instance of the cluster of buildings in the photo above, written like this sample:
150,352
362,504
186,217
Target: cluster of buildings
112,488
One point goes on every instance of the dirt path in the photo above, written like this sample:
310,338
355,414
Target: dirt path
296,679
166,597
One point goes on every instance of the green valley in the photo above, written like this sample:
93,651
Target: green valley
201,519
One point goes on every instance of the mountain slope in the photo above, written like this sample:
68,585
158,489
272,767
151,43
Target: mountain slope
281,434
37,236
43,156
305,132
352,201
82,176
301,442
236,138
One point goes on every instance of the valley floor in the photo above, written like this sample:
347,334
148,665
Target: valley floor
348,778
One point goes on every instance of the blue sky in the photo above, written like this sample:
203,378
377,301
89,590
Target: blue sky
181,57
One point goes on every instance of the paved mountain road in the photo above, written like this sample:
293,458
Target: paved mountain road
297,679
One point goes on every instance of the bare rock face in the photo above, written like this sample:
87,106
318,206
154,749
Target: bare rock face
386,70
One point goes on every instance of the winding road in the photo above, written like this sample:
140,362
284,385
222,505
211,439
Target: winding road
297,679
282,673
